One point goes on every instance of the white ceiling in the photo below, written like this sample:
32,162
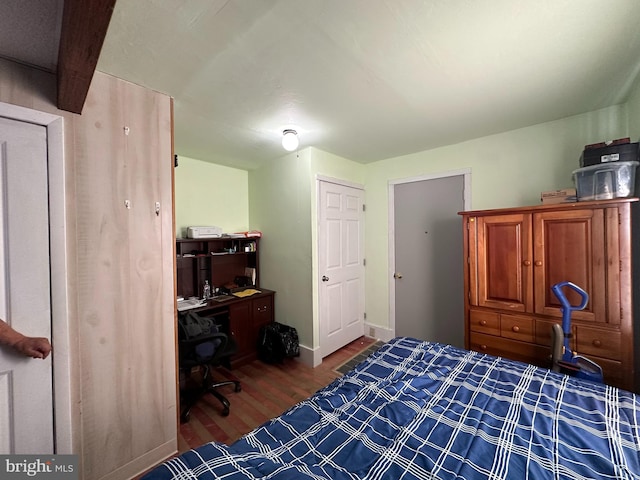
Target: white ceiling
30,32
368,79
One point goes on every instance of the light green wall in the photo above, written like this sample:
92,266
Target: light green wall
508,169
283,206
633,111
210,195
280,207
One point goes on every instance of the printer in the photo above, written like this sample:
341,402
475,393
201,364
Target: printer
204,232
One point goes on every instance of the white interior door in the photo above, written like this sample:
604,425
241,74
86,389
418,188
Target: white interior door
26,402
428,271
340,265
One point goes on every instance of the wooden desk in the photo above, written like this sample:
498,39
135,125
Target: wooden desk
245,317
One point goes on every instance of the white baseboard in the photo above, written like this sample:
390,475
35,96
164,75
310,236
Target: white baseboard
379,333
311,357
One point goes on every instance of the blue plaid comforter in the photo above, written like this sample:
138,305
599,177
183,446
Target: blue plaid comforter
419,410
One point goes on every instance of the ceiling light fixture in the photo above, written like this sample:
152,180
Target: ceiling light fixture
289,140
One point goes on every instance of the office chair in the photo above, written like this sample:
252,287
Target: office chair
205,351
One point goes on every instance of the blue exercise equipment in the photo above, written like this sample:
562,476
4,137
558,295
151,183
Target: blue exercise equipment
563,359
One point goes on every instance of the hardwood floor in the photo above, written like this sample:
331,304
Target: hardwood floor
267,391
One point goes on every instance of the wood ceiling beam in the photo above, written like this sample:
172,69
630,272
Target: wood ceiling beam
84,27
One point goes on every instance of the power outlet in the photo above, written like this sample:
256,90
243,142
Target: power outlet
372,332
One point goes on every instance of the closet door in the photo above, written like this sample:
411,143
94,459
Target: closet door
150,302
125,280
570,245
503,263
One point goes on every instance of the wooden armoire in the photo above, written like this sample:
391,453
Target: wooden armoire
513,257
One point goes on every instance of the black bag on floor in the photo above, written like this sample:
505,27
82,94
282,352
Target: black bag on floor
277,342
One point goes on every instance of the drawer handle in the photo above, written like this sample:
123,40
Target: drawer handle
515,328
483,323
526,263
597,343
483,347
538,263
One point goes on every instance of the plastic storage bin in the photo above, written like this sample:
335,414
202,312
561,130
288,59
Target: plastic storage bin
605,181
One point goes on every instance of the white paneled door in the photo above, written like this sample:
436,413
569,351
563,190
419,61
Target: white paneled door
340,265
26,404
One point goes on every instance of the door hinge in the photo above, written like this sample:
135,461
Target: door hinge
365,315
364,262
621,313
364,207
620,265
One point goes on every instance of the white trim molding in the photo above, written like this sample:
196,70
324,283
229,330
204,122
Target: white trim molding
62,398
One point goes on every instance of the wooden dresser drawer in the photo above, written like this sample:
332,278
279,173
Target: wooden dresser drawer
599,342
512,349
517,327
543,333
611,369
484,322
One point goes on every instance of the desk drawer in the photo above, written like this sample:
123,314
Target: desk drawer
484,322
262,310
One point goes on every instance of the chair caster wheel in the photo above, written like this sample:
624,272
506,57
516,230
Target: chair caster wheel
238,388
225,412
184,418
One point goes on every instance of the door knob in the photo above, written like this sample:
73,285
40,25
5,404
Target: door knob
325,278
397,275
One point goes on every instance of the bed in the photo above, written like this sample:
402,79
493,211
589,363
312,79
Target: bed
420,410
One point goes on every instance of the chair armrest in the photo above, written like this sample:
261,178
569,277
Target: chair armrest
194,342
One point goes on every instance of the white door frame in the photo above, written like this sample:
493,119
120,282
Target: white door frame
466,173
61,359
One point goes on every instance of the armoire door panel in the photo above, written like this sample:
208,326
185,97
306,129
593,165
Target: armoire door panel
570,246
504,262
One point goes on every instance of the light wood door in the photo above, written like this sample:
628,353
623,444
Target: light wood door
125,280
26,401
570,246
340,265
502,278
